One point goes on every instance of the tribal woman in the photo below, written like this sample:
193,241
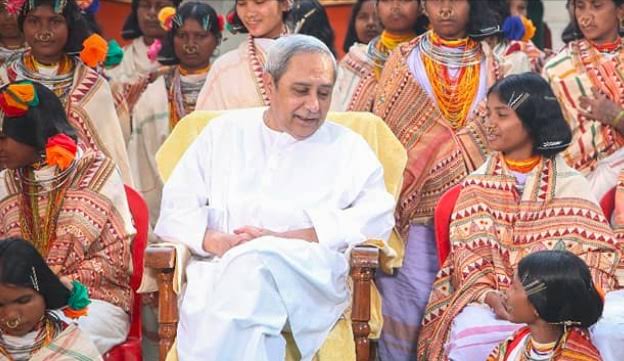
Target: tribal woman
11,38
358,75
587,77
522,200
428,94
56,31
236,78
69,202
194,33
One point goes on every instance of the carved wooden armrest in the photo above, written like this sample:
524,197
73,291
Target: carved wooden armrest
162,259
364,261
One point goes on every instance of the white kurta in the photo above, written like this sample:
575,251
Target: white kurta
239,172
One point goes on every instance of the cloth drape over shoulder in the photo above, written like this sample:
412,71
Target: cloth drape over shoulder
93,229
493,227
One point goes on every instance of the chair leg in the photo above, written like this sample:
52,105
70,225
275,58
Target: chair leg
167,312
360,315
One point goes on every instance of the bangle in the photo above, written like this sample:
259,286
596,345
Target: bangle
617,119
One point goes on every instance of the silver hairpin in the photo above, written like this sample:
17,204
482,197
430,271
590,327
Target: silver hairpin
177,19
534,287
549,98
516,100
34,280
302,21
206,22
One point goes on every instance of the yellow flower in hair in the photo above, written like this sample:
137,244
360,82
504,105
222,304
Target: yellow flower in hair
529,29
165,17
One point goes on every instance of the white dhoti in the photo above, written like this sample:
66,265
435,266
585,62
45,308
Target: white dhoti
106,325
476,331
236,307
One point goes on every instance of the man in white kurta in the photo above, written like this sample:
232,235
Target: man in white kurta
270,201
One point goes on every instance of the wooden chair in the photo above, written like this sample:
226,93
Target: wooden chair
364,259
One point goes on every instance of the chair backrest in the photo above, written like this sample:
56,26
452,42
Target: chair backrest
140,216
607,203
442,221
373,129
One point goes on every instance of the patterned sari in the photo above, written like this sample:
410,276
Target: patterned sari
572,73
493,227
575,345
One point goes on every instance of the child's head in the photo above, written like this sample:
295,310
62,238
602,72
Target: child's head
193,36
399,16
30,116
455,19
28,287
556,287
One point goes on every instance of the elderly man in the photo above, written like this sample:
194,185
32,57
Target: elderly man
269,201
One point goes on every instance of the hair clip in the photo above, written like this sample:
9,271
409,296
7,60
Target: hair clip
534,287
516,100
34,280
549,98
59,5
302,21
177,19
206,23
552,145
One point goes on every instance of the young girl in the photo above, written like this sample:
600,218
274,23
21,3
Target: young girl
428,94
30,294
11,38
523,199
56,31
235,80
587,78
364,24
401,21
552,292
69,202
143,28
188,47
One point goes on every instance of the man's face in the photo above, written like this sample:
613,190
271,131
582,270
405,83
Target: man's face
300,99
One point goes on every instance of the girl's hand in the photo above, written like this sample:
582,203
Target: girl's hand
600,108
495,301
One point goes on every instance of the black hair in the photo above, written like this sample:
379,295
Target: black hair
18,260
540,112
189,10
316,24
573,32
237,25
77,27
40,122
351,36
569,294
483,20
131,29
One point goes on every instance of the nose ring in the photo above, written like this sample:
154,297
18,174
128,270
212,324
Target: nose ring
45,36
190,48
13,324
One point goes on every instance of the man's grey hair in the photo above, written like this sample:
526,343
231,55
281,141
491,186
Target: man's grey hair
288,46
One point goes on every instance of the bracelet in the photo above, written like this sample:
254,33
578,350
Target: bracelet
617,119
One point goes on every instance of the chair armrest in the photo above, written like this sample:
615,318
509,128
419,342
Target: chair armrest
364,260
162,259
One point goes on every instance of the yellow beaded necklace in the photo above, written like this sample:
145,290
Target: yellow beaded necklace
454,95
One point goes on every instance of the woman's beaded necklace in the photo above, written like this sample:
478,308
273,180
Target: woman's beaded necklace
380,48
39,229
48,328
182,93
453,94
523,166
60,83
